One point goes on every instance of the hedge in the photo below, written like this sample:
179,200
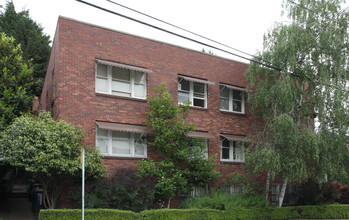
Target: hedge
296,212
90,214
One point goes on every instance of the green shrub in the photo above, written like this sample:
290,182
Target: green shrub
223,201
90,214
124,191
295,212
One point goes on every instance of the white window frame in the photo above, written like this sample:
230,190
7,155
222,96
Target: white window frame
231,100
110,80
275,192
240,158
204,150
131,140
234,189
191,92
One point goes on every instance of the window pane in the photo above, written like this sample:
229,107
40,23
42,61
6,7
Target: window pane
102,70
121,147
237,106
139,77
102,133
121,134
121,86
102,85
139,149
199,88
102,145
224,92
121,74
139,90
225,142
225,153
224,104
182,96
183,84
237,95
199,102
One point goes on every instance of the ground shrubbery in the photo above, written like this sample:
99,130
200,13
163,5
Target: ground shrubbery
124,191
222,201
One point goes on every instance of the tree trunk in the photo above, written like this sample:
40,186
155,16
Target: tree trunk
282,192
168,203
267,186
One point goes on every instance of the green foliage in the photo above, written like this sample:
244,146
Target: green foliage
251,186
90,214
312,85
34,43
124,190
15,81
184,164
223,201
313,193
49,148
295,212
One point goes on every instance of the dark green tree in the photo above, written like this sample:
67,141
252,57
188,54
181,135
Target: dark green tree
309,84
183,165
15,82
34,43
50,150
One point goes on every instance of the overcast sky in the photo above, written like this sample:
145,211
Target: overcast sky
238,23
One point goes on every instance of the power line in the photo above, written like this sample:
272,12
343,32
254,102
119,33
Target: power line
186,30
178,35
190,39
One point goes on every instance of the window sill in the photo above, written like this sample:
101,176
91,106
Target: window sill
231,161
232,113
120,97
198,108
123,158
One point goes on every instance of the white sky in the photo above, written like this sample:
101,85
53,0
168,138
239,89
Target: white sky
238,23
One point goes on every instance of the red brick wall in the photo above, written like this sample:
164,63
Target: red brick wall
77,45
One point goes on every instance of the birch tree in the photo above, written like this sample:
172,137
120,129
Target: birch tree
303,98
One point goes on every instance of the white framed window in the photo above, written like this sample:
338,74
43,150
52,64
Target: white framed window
231,99
195,92
120,143
234,189
199,191
120,81
231,150
204,151
275,192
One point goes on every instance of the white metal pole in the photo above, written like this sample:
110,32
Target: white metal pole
83,183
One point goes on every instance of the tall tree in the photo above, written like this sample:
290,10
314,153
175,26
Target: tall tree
183,163
15,81
309,84
34,43
49,149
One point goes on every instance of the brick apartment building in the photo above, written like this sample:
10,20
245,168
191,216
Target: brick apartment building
99,79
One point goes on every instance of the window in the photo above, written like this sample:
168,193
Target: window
199,191
231,150
275,192
120,81
120,143
231,99
195,92
203,152
234,189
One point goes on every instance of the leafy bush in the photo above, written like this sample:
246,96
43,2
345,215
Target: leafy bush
295,212
312,193
90,214
124,191
223,201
